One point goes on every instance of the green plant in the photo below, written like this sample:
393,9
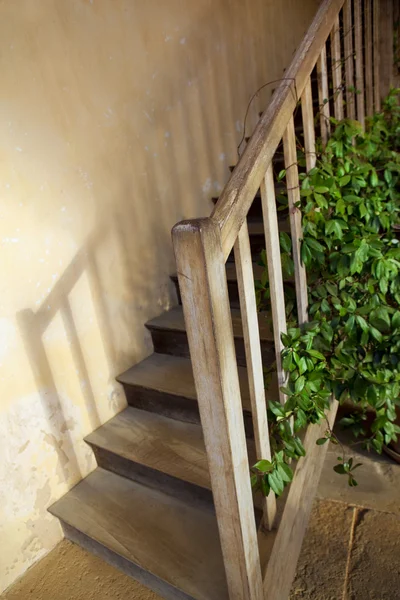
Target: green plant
350,349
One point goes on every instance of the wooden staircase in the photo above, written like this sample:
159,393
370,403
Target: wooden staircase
148,507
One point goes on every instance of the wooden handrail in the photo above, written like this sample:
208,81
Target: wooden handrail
236,198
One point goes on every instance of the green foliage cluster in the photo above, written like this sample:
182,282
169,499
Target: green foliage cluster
350,349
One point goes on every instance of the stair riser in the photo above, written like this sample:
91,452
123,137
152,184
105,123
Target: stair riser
173,406
175,343
112,558
151,477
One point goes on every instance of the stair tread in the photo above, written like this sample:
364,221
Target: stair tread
174,540
172,375
173,319
155,441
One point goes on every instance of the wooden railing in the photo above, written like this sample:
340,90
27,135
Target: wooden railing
350,31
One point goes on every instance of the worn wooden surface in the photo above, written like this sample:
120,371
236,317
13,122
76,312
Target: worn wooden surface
274,271
323,95
175,542
169,335
254,363
369,89
376,53
349,58
358,43
162,444
308,125
173,376
201,269
337,78
237,196
386,14
293,188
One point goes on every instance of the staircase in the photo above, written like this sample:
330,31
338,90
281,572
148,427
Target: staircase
148,507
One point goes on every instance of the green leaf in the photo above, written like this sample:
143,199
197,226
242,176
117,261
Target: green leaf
362,323
302,365
276,483
344,180
285,242
277,409
265,466
322,441
396,320
340,469
376,334
334,227
285,472
312,243
316,354
299,384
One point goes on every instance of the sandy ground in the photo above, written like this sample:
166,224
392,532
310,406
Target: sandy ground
349,553
351,550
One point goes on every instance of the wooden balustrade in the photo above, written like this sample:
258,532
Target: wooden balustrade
202,248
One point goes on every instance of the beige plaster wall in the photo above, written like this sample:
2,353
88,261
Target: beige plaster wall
118,118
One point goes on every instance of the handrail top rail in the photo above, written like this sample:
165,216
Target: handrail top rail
236,198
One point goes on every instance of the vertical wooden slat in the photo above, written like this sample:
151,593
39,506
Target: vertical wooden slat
323,96
293,188
270,217
337,71
248,310
204,290
386,28
375,24
359,62
349,59
369,90
308,126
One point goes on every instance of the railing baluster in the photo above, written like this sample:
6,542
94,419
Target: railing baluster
323,96
293,189
349,59
359,62
308,126
377,93
369,91
202,281
270,217
337,71
248,310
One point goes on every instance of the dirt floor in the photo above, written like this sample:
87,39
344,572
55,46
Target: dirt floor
349,553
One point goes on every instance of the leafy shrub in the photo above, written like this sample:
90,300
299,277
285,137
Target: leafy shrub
351,347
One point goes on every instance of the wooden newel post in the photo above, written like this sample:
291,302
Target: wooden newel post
204,290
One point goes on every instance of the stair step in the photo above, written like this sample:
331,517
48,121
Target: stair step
157,451
154,450
169,335
164,384
165,542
